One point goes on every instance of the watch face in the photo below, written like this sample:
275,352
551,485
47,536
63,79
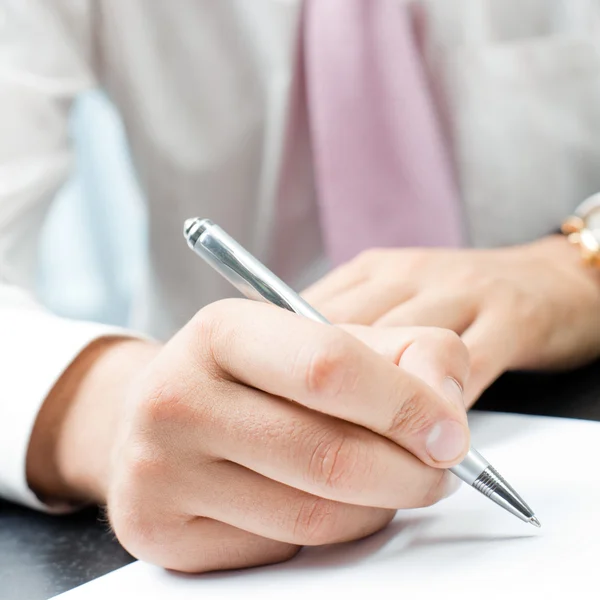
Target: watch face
592,222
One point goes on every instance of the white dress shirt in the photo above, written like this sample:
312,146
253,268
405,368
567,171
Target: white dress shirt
204,88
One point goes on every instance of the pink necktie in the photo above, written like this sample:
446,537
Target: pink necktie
383,177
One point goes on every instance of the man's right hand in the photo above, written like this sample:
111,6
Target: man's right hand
253,432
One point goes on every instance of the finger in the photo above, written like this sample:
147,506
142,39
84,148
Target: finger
200,545
327,370
454,312
338,281
365,303
491,347
314,453
232,494
437,356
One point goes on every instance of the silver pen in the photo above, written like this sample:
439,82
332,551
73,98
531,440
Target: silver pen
256,282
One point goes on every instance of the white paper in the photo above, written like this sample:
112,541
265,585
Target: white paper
465,547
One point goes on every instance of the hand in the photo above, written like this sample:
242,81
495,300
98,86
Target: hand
253,432
527,307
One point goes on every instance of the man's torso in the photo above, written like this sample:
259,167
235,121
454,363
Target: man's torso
206,89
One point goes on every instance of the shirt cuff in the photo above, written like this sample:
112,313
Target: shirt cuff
35,350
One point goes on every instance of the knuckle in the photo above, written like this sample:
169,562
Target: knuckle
206,321
207,328
138,534
165,403
143,506
449,344
329,370
314,523
336,461
139,530
216,334
214,337
410,417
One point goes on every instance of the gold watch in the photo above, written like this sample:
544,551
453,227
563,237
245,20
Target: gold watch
583,230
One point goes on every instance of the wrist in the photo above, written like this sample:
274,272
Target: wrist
570,268
559,250
70,447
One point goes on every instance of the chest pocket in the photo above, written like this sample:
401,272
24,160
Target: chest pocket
520,83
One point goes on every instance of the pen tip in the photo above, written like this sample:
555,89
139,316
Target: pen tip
535,522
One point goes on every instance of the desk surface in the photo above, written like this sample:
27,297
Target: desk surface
41,556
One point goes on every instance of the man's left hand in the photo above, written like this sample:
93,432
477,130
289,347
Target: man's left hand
528,307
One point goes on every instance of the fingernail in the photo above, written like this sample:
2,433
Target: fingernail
453,392
447,441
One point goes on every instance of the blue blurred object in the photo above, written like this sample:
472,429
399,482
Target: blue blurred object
94,242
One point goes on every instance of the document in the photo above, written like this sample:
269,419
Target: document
465,547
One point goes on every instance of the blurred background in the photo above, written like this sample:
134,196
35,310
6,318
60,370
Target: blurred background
95,238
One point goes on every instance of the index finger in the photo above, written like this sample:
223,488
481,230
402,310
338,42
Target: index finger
328,370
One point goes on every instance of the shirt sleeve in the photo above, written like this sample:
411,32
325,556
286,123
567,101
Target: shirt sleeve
44,63
35,349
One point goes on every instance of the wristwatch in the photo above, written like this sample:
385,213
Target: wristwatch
583,230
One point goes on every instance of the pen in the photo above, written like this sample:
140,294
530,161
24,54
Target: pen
256,282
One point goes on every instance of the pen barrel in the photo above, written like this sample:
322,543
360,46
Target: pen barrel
471,468
244,271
